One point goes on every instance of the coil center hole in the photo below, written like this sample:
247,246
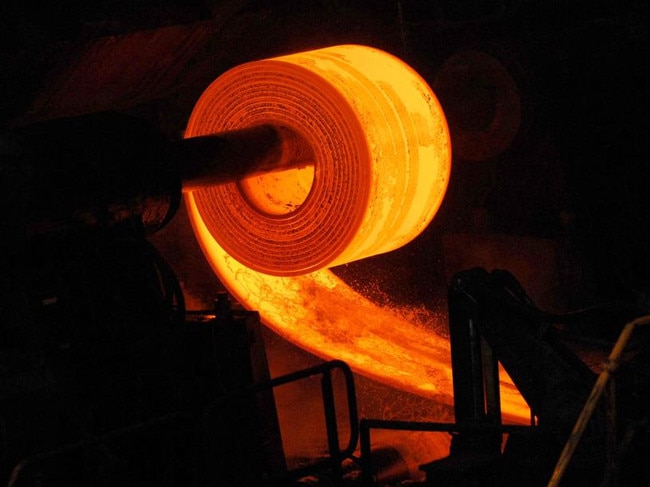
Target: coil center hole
285,189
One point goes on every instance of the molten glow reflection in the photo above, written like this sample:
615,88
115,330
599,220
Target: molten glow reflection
381,167
323,315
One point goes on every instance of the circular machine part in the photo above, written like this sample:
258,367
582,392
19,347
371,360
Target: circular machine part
381,165
482,102
381,159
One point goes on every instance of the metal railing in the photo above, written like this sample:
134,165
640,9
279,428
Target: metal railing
366,425
610,366
336,454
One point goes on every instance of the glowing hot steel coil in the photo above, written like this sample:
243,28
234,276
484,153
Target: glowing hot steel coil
380,169
381,164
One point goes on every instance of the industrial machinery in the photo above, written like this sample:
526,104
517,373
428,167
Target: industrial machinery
357,170
293,168
492,320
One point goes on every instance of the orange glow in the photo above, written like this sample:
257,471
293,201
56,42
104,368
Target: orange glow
381,159
381,167
322,314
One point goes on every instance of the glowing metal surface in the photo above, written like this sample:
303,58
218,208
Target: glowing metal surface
323,315
320,313
382,163
381,159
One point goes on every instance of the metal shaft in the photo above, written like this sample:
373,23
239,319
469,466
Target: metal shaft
231,156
